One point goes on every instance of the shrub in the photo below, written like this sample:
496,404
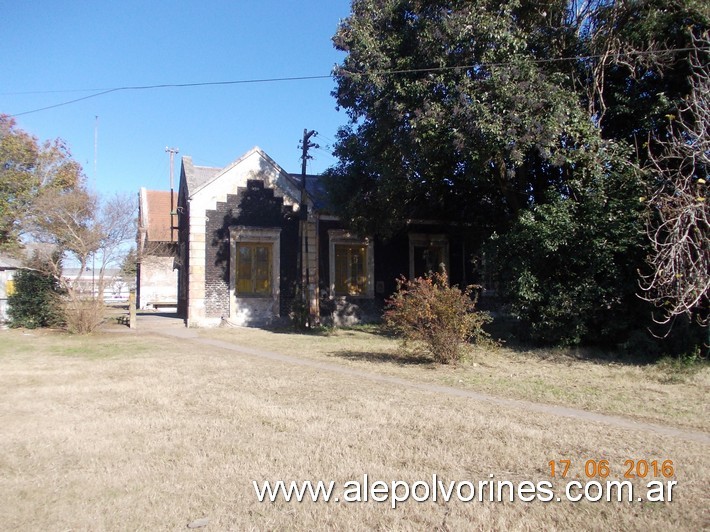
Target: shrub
430,313
82,315
568,270
34,301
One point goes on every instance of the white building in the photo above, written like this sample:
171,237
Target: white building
157,278
8,267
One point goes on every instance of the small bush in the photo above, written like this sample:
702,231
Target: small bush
33,303
81,315
429,312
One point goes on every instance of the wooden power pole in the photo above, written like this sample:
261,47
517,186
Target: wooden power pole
172,152
306,145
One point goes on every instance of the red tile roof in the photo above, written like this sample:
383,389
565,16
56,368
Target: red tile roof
155,215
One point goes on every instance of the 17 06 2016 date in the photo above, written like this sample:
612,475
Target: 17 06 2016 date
602,469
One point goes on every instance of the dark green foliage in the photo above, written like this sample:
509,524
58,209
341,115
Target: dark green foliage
35,301
520,119
427,311
129,265
481,135
567,270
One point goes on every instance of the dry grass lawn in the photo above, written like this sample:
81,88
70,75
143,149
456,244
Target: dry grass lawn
141,432
657,393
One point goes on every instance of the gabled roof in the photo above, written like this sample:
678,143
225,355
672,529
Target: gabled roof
155,218
200,177
315,189
255,150
197,176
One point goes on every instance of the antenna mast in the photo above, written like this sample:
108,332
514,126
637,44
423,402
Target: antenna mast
96,151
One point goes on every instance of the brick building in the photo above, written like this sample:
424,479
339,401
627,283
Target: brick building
156,276
250,234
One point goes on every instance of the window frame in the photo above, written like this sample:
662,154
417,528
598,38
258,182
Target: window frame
424,240
351,251
269,237
338,237
253,268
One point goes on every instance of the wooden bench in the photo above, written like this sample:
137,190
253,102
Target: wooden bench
161,304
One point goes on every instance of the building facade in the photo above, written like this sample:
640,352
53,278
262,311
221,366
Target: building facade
8,268
252,238
157,244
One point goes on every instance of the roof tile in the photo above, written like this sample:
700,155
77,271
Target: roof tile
157,219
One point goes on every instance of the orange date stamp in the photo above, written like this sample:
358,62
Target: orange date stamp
602,468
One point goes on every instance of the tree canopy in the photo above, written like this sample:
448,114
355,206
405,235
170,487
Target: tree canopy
453,110
44,200
29,170
511,117
477,108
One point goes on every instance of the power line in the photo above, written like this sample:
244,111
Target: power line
336,73
171,85
104,90
330,141
511,63
62,91
325,150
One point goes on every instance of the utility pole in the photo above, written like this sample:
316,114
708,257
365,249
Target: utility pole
172,152
306,145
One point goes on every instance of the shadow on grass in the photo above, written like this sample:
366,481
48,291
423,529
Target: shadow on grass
290,329
321,330
385,358
507,332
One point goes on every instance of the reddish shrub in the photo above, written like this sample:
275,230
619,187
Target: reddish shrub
429,313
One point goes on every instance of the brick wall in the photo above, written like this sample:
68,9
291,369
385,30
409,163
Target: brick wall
253,206
183,261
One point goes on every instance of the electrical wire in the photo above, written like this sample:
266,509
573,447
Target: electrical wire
167,86
337,72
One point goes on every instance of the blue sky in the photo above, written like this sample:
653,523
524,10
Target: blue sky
52,52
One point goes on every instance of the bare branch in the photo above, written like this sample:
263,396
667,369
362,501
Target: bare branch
679,221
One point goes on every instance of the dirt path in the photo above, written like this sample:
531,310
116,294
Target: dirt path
562,411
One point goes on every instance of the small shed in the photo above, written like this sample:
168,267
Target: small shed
8,267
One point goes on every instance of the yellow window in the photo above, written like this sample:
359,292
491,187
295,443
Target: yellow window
253,269
350,269
9,287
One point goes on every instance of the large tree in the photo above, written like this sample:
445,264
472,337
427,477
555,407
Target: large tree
651,87
679,219
44,200
28,170
515,116
454,112
85,231
640,72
